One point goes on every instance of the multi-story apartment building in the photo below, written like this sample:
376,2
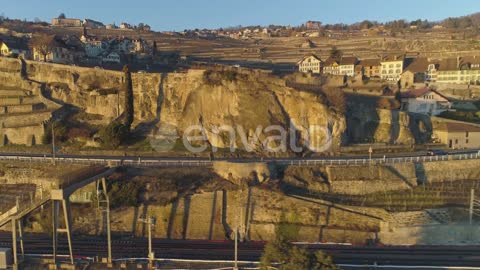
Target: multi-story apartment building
460,70
343,66
392,67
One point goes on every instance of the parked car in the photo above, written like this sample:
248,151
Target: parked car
436,152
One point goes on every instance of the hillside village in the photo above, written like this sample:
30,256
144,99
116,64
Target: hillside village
441,87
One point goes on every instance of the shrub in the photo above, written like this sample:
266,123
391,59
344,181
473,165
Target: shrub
215,77
290,257
76,132
124,194
59,129
229,75
113,135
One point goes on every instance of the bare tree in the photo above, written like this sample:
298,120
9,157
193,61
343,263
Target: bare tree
43,44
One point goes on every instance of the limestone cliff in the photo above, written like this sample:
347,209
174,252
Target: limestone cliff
244,100
249,101
366,123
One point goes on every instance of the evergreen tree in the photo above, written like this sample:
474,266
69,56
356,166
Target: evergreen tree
336,53
154,49
128,88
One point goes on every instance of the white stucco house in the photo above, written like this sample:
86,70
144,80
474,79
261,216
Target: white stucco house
310,63
425,101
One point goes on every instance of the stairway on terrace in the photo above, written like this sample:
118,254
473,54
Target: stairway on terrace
23,115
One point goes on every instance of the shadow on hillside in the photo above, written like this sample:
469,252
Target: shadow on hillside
228,230
421,127
399,175
184,219
324,226
300,194
212,217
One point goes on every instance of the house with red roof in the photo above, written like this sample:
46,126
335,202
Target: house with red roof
425,101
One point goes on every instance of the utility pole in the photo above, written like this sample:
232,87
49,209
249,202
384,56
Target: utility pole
53,143
104,207
150,222
235,267
472,198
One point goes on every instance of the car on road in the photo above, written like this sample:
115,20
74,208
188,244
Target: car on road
437,152
141,71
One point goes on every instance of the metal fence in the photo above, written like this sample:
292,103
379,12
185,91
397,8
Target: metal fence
109,161
386,160
205,163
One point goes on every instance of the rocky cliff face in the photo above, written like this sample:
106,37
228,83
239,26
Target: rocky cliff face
366,123
247,101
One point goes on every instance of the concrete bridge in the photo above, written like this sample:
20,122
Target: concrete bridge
58,198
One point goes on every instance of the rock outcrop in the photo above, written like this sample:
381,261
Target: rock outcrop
244,100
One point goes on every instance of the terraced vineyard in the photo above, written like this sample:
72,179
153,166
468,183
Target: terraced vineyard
435,195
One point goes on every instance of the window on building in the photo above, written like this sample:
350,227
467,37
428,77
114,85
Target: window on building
466,134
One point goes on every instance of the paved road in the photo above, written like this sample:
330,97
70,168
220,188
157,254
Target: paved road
198,161
223,250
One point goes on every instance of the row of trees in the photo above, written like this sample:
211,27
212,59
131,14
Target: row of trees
452,22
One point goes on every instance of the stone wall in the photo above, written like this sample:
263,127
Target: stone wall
444,171
360,180
214,215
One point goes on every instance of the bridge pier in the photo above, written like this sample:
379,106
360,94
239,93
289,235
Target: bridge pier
58,198
104,207
17,234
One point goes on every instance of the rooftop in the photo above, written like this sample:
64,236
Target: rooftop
458,127
420,92
370,62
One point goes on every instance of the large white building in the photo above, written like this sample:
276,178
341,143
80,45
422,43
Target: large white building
460,70
310,63
343,66
392,67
